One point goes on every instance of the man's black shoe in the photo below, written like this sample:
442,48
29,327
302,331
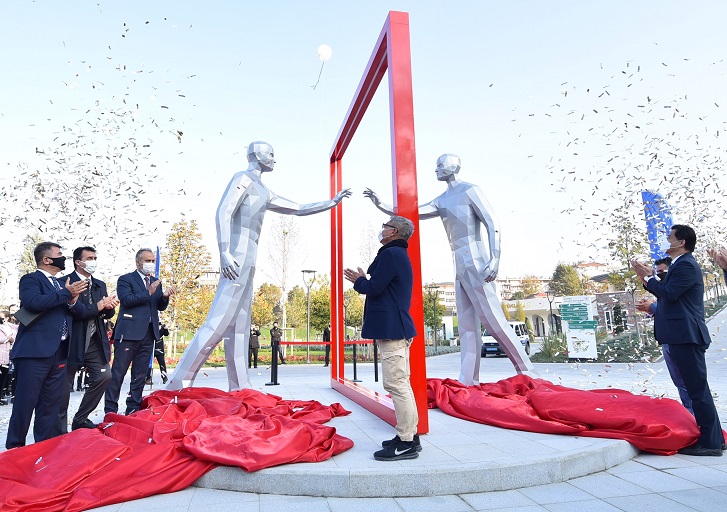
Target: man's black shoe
700,451
417,444
84,424
398,450
164,378
148,382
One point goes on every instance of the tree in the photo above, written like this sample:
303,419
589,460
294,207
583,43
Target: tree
284,248
566,281
320,303
520,312
27,264
353,304
182,262
505,310
517,296
531,285
296,307
264,303
429,317
369,245
618,319
627,244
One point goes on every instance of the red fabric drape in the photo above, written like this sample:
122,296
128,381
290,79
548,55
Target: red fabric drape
657,425
177,437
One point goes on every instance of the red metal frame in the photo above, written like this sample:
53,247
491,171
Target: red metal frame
393,53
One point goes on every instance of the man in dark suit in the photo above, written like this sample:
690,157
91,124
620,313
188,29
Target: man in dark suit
327,337
388,322
89,344
137,329
679,323
41,349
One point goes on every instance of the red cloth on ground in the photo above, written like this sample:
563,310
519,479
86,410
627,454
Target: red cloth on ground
657,425
174,439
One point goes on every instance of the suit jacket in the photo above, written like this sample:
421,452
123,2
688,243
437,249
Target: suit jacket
680,317
88,312
388,294
43,338
138,308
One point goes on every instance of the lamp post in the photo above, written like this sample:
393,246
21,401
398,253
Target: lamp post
551,297
434,289
307,330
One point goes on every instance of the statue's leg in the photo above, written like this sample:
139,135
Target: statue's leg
470,338
221,316
237,342
490,313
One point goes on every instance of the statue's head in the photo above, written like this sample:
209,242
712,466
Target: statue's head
261,156
447,165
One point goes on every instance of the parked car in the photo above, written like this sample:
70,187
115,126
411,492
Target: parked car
490,346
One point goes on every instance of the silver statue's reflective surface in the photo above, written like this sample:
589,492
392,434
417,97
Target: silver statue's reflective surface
463,209
239,221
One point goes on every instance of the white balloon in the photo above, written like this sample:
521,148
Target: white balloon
324,52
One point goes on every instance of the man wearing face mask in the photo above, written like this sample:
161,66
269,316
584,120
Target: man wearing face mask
89,345
650,307
137,329
679,323
41,346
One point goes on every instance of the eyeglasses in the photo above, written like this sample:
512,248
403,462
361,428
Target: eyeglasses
388,226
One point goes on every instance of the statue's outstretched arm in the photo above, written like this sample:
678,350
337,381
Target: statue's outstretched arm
231,201
483,212
286,206
426,211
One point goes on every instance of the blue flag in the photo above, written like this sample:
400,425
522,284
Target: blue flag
658,221
156,272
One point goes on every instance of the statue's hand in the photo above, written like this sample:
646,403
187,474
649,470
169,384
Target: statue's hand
229,265
346,192
372,195
489,274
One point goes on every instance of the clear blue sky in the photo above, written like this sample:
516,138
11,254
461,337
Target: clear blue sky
490,84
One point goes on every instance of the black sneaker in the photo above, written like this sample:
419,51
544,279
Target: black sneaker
398,450
417,444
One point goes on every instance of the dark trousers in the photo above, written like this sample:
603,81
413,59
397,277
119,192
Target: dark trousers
690,360
136,353
328,353
4,373
278,348
159,356
99,377
252,356
39,388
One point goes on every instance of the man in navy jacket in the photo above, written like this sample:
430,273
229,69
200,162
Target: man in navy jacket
387,321
41,349
89,343
680,324
137,329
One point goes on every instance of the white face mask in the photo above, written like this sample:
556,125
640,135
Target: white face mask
381,235
90,266
665,246
148,268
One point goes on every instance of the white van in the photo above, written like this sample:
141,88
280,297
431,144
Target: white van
491,347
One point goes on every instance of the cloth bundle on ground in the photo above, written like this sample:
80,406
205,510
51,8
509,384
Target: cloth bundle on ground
177,437
656,425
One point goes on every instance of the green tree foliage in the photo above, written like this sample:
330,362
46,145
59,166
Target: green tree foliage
182,262
26,264
517,296
566,281
264,303
429,304
296,307
353,308
320,303
618,319
531,285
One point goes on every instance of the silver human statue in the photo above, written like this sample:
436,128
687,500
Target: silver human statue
463,209
239,221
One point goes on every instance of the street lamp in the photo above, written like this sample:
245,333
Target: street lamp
551,297
308,285
433,288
